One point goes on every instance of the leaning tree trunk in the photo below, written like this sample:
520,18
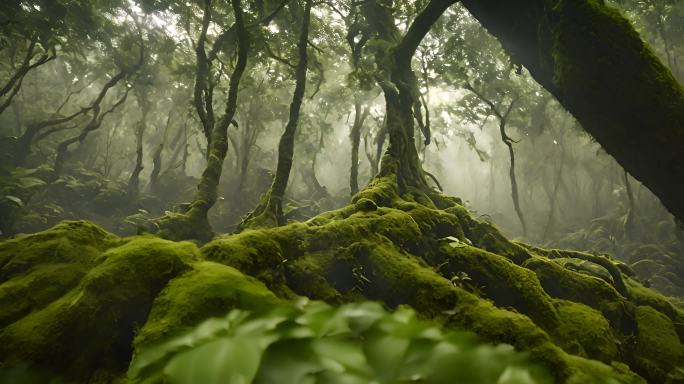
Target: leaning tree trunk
194,224
269,212
594,62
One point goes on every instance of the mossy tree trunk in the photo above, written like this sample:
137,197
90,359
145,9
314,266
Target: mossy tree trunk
400,87
269,212
360,115
594,62
194,224
203,94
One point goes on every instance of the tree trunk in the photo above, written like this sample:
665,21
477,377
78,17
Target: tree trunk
400,86
194,224
134,180
360,114
269,212
594,62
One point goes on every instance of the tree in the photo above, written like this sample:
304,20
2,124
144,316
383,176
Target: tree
194,223
269,212
591,59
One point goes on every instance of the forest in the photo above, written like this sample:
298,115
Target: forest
342,191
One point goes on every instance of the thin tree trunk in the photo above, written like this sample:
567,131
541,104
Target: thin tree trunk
269,212
360,115
553,198
134,180
503,118
207,189
157,157
629,219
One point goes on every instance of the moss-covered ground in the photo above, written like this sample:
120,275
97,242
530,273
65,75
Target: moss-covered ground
77,302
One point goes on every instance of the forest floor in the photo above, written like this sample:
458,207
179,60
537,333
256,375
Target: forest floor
79,302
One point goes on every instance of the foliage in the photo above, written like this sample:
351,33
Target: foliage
315,343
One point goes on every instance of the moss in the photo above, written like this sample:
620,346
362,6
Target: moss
509,285
646,296
182,226
658,353
253,252
396,255
584,332
36,288
90,328
434,222
486,236
581,371
566,284
315,276
397,226
208,290
67,242
381,190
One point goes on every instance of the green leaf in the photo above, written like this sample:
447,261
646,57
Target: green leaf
222,361
14,200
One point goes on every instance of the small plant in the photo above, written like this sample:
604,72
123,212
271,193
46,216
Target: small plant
313,342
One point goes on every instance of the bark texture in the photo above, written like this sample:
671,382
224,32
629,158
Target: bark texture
594,62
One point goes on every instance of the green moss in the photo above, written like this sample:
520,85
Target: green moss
319,276
90,328
252,252
35,288
182,226
486,236
67,242
646,296
381,190
509,285
658,353
208,290
584,332
566,284
86,307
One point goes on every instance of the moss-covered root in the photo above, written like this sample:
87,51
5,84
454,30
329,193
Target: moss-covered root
86,332
452,267
182,226
209,289
364,256
384,273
